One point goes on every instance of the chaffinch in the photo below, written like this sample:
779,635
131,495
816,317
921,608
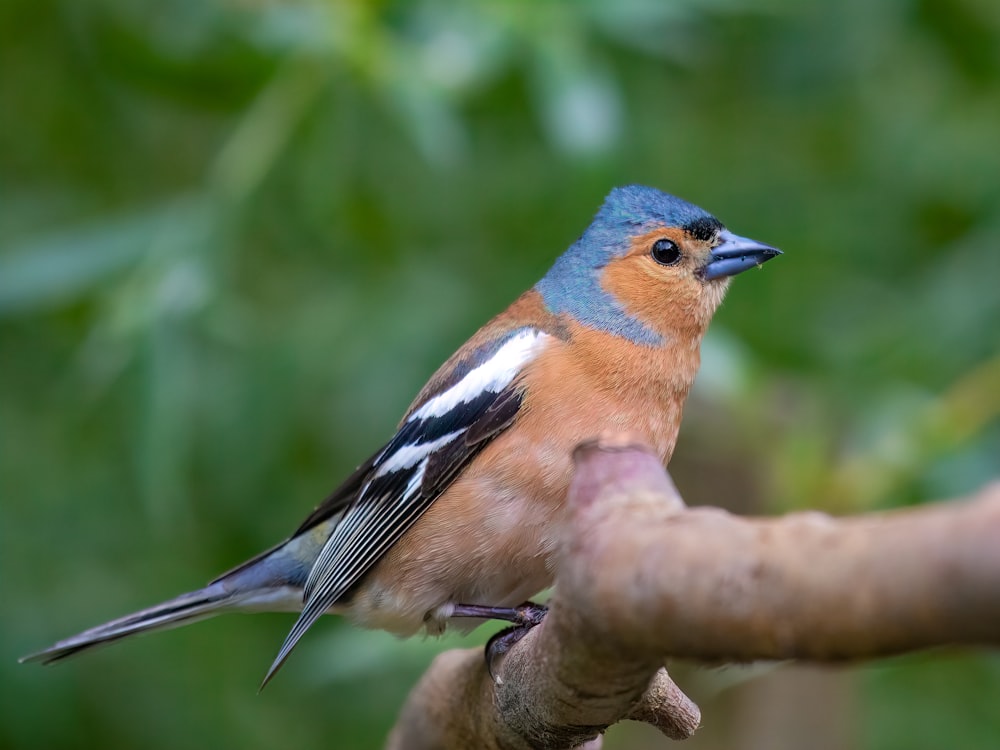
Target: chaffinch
458,515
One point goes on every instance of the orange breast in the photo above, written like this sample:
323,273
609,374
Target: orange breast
489,539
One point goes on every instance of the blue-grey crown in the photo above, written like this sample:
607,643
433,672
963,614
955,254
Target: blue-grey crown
573,284
634,209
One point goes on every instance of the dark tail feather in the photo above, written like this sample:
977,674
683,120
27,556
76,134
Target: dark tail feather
181,610
270,582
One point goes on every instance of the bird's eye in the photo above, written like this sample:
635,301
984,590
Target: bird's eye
666,253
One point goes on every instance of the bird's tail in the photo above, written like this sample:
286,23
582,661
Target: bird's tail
181,610
269,582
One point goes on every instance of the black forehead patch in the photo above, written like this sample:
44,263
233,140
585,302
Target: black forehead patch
703,228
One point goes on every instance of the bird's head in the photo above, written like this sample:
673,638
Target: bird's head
648,266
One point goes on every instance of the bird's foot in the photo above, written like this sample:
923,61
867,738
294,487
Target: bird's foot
524,617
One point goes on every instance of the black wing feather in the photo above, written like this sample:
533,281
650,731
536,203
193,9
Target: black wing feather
444,464
385,505
341,497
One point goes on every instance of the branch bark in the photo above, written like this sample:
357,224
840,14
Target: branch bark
642,578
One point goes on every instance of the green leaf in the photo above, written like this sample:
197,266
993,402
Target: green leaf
54,269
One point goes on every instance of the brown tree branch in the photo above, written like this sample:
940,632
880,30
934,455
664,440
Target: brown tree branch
642,578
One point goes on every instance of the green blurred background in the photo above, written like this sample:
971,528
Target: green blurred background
235,238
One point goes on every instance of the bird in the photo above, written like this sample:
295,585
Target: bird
457,517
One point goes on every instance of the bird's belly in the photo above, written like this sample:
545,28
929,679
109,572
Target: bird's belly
483,542
402,598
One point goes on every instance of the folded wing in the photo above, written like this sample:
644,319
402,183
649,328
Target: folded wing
440,436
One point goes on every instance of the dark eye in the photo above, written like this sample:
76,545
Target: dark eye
666,253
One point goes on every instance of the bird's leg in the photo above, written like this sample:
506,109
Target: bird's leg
527,614
524,616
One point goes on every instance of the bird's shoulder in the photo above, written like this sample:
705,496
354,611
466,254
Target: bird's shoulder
526,324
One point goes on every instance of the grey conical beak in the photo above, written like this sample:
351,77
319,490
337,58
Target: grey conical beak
735,255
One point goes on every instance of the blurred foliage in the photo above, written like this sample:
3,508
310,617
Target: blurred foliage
236,236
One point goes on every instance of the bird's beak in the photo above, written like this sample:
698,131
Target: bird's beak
735,255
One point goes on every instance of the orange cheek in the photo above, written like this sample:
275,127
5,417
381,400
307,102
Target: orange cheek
666,299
